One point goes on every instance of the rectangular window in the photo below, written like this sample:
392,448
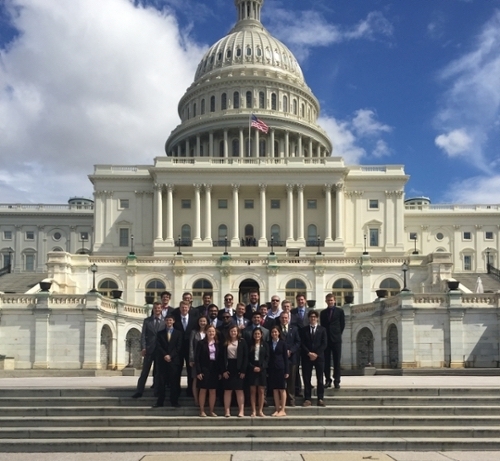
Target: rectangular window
124,237
7,235
312,204
124,203
248,204
488,235
373,204
30,235
467,236
84,236
186,203
374,237
29,260
467,262
275,204
223,204
413,236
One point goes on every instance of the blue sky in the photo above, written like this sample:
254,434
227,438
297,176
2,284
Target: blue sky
412,82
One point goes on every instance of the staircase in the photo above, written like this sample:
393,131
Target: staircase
490,283
20,282
108,420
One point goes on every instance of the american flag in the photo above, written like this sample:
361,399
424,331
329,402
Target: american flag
259,124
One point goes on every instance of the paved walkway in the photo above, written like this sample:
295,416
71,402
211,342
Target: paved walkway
348,381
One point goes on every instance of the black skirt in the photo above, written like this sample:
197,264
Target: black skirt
276,379
257,379
210,380
234,382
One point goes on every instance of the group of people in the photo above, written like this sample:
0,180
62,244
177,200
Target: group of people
248,351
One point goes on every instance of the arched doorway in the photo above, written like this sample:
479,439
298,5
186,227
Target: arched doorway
246,287
393,346
106,345
364,346
133,348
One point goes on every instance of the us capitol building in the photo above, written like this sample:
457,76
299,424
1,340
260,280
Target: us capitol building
231,208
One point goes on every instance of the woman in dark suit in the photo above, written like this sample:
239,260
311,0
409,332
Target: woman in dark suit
258,358
233,368
206,361
196,335
278,371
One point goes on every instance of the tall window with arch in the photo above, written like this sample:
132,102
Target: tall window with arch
212,103
285,104
154,288
250,240
249,99
312,235
274,102
295,108
223,101
200,288
202,108
186,235
276,235
342,288
106,287
236,100
391,285
221,148
194,110
294,287
262,148
262,100
235,151
221,235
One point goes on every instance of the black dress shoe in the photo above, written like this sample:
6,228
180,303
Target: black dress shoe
137,395
328,383
337,386
157,405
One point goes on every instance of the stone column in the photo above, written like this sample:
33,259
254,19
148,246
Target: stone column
208,213
242,143
389,219
310,147
179,150
300,152
99,213
170,213
328,212
92,335
318,150
339,208
226,146
399,220
158,212
187,148
257,142
289,230
300,213
456,316
271,147
41,250
211,144
287,144
197,213
198,144
263,225
235,241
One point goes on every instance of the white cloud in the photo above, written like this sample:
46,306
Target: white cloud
455,143
86,82
381,149
471,104
343,139
365,124
476,190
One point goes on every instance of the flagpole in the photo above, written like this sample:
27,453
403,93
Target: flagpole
249,134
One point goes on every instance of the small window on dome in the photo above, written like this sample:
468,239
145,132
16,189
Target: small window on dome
249,99
238,52
219,56
259,52
268,53
249,51
229,54
212,60
212,104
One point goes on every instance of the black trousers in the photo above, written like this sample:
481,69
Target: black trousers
146,367
168,373
307,368
185,360
333,350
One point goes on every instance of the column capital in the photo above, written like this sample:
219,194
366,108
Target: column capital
170,187
208,187
262,187
339,186
289,187
157,186
300,187
236,187
197,187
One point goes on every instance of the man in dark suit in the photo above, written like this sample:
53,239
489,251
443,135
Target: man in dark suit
253,306
333,320
166,308
168,356
186,320
256,323
213,316
291,337
239,316
150,328
228,306
301,311
266,321
223,328
286,306
313,345
207,302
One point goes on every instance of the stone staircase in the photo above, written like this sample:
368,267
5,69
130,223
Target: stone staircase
108,420
20,282
490,283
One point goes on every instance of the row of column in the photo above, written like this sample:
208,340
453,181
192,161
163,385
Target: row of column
299,188
287,147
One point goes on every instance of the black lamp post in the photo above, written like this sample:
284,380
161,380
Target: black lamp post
415,251
225,246
488,270
365,252
319,246
272,245
179,252
404,268
132,245
83,244
93,268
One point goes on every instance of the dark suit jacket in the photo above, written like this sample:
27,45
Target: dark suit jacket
169,311
250,310
192,323
269,323
241,357
245,321
292,341
317,344
202,310
148,334
165,347
263,356
202,357
298,321
247,334
333,322
278,359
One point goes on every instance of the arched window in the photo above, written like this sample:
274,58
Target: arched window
236,148
238,52
249,99
250,240
223,101
312,235
302,110
212,103
60,249
201,287
276,235
229,53
236,100
341,289
248,147
221,148
106,286
203,107
154,288
186,235
29,260
262,148
249,51
295,107
194,110
262,100
221,235
392,286
276,148
274,102
259,52
294,287
285,103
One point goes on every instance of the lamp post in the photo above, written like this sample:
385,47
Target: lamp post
83,244
404,268
132,245
488,270
415,251
319,245
225,246
11,251
272,245
365,252
93,269
179,252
